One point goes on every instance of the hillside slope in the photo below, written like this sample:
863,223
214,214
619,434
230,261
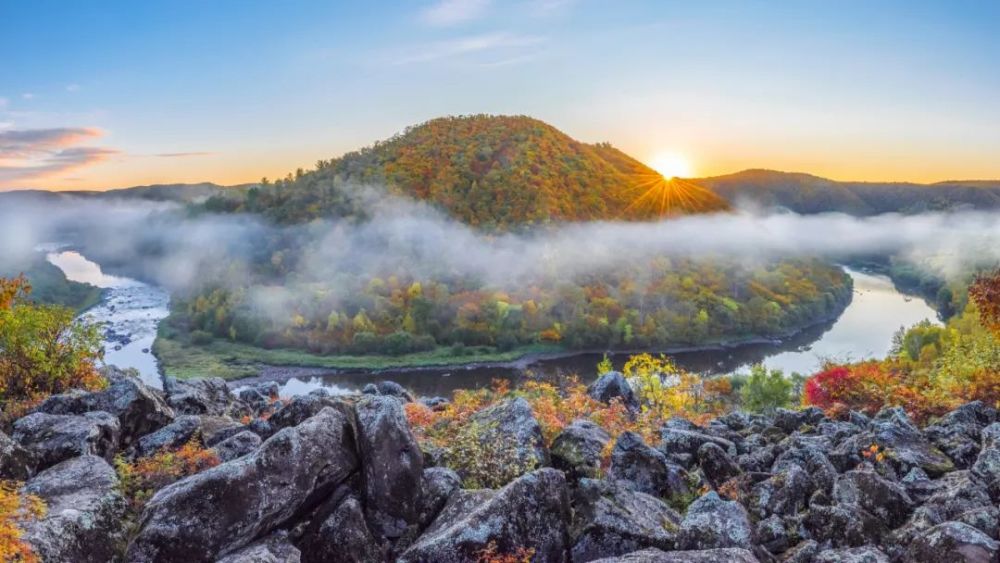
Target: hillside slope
486,171
804,193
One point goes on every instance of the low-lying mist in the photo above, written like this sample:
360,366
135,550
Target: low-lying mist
180,249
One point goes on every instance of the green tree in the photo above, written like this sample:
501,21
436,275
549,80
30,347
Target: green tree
766,390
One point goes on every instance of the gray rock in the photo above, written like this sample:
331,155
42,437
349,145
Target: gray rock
391,464
223,509
613,386
953,542
987,468
171,436
852,555
791,420
275,548
647,470
711,523
237,446
84,521
342,536
843,526
204,396
674,441
803,552
388,389
511,422
530,512
53,438
140,409
437,485
990,436
577,450
16,463
818,467
727,555
298,409
716,465
611,519
784,493
772,535
868,490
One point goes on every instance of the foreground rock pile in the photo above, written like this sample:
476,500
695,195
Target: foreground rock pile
343,479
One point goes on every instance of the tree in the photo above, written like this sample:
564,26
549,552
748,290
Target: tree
766,390
985,292
42,350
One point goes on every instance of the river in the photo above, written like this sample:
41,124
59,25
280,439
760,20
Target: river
131,311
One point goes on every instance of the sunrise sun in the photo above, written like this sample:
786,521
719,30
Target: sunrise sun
672,165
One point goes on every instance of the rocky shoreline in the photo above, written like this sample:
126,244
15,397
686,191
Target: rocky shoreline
344,479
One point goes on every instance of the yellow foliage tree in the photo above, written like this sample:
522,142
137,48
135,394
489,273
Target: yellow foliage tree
17,508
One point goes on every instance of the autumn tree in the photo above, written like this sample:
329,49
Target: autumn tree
985,292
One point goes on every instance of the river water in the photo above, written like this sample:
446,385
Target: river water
128,315
131,311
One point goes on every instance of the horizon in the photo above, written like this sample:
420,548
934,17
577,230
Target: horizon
165,93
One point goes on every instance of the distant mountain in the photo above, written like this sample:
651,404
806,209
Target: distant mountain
489,171
184,193
804,193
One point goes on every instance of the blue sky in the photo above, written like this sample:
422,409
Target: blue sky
109,94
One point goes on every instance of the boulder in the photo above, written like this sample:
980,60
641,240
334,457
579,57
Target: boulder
791,420
84,521
677,441
298,409
611,386
712,523
772,535
727,555
818,467
867,489
53,438
391,464
577,450
784,494
843,526
611,519
140,409
223,509
953,542
171,436
990,436
716,465
388,389
275,548
204,396
342,536
803,552
852,555
437,485
511,422
16,463
530,513
987,468
237,446
647,470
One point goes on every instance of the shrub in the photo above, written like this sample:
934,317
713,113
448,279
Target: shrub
765,390
201,338
43,350
140,479
492,554
17,508
484,463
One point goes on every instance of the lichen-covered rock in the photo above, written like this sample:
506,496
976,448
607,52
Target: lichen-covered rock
867,489
686,441
512,422
611,519
391,464
844,526
204,396
275,548
530,512
173,435
222,509
818,467
85,517
953,542
53,438
16,463
987,468
298,409
577,449
772,535
437,485
716,464
613,386
803,552
727,555
388,389
237,446
646,469
342,536
852,555
140,409
711,523
791,420
784,493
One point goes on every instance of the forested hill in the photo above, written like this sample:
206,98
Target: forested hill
489,171
804,193
158,192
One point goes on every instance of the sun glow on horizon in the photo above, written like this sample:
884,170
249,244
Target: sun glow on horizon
672,165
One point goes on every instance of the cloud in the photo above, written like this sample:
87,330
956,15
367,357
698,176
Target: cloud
3,103
182,154
544,8
38,153
27,96
73,88
506,43
451,12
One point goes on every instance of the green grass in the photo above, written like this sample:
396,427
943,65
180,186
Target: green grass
230,360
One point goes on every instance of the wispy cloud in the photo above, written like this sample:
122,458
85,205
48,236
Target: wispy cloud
543,8
182,154
27,96
451,12
39,153
73,88
508,43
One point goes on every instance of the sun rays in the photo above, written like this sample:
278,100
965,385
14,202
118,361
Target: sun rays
661,197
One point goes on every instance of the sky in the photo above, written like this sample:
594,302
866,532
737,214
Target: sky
97,95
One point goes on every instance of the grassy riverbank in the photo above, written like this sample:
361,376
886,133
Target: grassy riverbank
230,360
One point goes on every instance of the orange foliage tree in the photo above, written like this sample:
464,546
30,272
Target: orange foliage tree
17,508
